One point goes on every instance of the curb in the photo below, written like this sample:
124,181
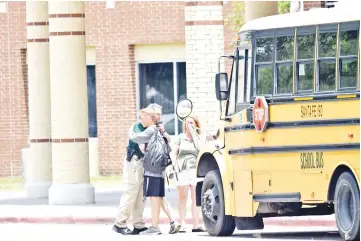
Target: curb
101,220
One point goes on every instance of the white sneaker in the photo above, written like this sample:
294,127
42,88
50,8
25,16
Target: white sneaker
151,231
174,227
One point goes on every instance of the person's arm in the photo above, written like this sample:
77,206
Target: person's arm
142,137
166,135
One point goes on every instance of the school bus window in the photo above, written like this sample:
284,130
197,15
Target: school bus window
264,70
348,56
327,58
264,80
284,64
305,59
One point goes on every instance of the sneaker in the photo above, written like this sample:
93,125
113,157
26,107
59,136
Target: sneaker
124,231
137,231
151,231
174,227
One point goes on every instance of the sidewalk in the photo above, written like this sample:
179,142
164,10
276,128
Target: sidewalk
15,207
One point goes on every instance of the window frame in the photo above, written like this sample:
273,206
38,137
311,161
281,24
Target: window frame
263,34
284,32
347,26
175,84
303,31
96,109
325,28
315,29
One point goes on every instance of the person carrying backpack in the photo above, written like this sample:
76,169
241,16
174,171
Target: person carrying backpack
155,161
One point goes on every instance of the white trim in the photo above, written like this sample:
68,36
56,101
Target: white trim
159,61
306,18
137,90
91,64
175,97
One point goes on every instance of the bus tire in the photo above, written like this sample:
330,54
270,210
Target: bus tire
213,212
347,207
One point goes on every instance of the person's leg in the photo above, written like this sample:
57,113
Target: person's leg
174,227
137,215
127,199
182,203
155,211
195,212
167,209
152,189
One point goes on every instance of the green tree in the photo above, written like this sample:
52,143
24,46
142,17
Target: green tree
284,6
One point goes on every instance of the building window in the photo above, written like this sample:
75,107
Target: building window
330,4
163,83
92,109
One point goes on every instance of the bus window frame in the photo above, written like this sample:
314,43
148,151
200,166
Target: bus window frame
304,30
246,81
325,28
284,32
348,26
263,34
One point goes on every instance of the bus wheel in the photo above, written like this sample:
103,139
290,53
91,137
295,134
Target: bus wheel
215,220
347,207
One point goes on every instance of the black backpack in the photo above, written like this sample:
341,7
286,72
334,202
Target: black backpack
156,158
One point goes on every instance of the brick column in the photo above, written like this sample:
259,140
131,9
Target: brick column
258,9
38,164
204,38
69,105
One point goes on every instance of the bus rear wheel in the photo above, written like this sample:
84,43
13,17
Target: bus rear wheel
215,220
347,207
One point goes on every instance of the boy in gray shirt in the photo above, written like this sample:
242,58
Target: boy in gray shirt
154,186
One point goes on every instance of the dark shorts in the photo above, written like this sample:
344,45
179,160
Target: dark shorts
153,186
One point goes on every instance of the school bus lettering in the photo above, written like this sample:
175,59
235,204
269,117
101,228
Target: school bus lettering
311,160
312,111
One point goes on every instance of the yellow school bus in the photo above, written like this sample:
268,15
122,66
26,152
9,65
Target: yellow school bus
289,139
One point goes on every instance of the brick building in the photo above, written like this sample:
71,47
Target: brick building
136,53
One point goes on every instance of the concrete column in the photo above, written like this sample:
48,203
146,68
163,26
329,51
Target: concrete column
204,39
37,164
69,105
258,9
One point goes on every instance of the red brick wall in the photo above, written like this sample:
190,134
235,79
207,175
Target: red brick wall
13,88
313,4
114,32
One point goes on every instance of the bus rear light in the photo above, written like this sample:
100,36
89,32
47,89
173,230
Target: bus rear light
350,135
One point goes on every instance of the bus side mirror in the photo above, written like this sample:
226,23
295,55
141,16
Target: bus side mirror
222,86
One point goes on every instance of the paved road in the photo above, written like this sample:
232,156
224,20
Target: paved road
58,232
